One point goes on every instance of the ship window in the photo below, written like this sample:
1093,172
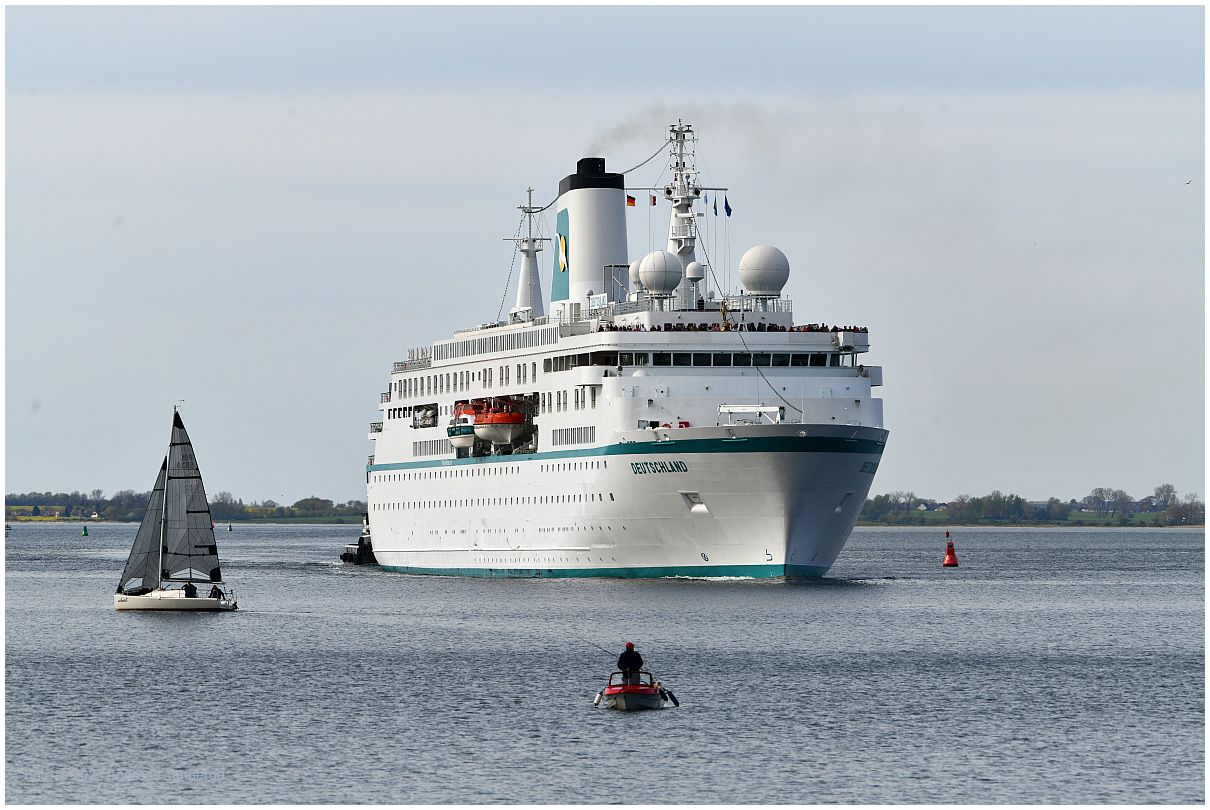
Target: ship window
819,360
604,358
682,359
625,359
661,358
701,359
781,359
741,359
834,360
760,359
640,358
799,359
533,371
721,359
546,364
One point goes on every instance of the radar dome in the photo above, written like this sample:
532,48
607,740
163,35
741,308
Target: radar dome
634,273
764,270
694,271
660,272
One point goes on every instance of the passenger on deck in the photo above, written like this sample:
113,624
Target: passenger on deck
216,592
190,590
630,662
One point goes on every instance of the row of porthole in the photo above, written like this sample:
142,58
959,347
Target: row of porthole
514,563
488,470
517,530
466,503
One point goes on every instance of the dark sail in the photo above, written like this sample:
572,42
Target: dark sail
145,554
189,548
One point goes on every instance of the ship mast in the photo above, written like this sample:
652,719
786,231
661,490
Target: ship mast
529,287
683,192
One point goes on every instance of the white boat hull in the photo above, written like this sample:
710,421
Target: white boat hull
499,434
170,600
463,441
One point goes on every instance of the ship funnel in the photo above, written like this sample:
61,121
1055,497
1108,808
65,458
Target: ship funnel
590,225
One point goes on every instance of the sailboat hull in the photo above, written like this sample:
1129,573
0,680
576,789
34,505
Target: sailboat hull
170,600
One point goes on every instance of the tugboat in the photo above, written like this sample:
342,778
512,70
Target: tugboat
361,552
648,693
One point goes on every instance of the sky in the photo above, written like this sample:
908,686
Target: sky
258,210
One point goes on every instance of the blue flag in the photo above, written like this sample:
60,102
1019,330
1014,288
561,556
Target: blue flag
726,205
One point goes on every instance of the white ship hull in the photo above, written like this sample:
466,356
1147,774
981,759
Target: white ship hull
768,502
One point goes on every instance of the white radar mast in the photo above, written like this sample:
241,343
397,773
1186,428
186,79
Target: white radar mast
529,287
683,192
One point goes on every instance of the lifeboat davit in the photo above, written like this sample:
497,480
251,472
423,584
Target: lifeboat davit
642,692
501,423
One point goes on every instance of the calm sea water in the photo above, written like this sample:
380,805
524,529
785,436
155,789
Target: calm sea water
1058,666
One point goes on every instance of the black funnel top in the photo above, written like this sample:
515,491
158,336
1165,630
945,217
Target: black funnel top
590,173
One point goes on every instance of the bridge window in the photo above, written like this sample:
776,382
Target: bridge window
682,359
760,359
781,359
722,358
741,359
701,359
661,358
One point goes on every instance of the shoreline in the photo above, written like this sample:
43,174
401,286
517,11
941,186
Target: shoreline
356,522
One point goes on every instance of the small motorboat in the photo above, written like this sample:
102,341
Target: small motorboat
643,691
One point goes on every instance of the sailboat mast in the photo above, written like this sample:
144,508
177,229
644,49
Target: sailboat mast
159,568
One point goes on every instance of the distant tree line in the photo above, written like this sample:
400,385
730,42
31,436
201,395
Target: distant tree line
128,505
1108,505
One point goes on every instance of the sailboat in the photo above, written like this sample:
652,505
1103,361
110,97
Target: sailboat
174,550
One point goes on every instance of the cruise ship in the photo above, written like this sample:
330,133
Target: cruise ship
641,422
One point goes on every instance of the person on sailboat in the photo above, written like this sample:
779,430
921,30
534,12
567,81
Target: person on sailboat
630,662
216,592
190,590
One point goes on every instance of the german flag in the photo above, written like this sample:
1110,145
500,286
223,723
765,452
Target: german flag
629,201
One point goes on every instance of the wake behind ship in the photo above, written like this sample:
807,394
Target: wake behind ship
652,424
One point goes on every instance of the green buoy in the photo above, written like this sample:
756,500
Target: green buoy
85,532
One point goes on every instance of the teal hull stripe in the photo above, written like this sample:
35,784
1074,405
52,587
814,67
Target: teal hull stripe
763,444
646,572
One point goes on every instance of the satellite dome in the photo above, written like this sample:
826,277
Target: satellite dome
634,274
764,270
660,272
694,271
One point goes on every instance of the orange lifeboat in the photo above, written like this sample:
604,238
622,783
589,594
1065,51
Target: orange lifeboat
502,422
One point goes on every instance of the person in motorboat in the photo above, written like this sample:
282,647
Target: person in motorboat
190,590
630,662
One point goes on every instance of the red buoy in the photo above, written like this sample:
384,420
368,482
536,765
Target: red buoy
951,559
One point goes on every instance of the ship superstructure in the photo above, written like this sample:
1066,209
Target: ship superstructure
646,427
